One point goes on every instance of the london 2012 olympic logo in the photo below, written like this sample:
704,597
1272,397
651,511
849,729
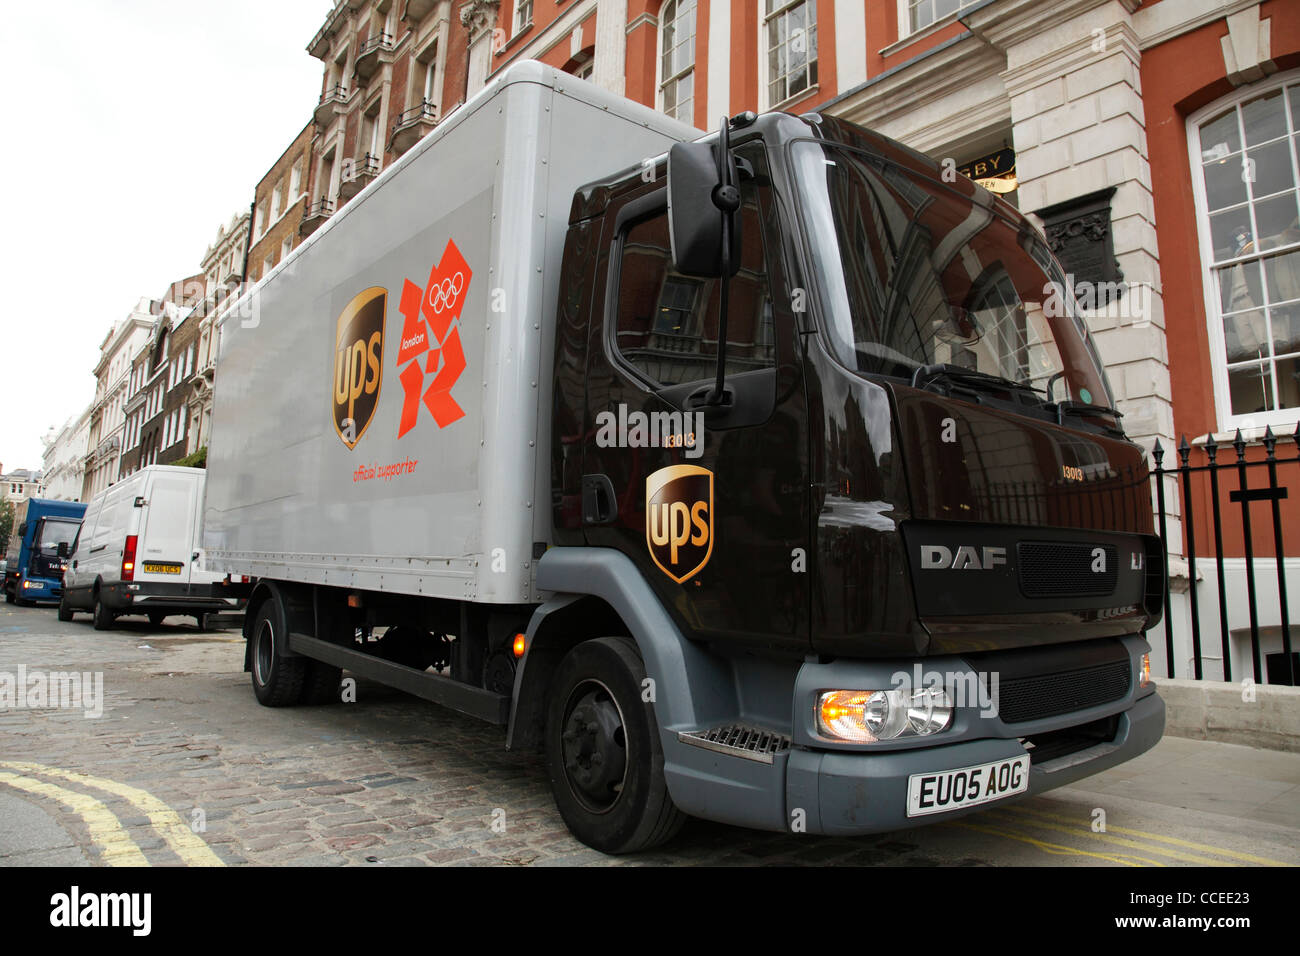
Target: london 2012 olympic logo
431,343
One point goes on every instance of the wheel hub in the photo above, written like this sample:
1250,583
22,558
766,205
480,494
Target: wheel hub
594,747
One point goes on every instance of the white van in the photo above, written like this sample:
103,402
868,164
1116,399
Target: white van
138,553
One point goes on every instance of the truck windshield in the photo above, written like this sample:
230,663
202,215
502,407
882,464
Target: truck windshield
54,532
913,273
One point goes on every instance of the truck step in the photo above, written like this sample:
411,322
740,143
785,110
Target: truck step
751,743
474,701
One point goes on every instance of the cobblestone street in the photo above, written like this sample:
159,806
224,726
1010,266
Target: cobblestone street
184,766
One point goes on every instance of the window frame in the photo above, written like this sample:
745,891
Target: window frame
521,25
636,211
765,79
905,28
661,82
1225,419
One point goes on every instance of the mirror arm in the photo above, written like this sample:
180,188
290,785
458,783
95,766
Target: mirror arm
727,198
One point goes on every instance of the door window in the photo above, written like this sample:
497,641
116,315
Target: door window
667,324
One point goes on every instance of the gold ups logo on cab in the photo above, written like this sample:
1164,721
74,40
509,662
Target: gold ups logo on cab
679,519
359,364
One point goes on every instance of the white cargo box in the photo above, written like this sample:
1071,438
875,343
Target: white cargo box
327,464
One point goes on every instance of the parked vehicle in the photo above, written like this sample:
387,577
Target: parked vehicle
883,559
44,529
138,553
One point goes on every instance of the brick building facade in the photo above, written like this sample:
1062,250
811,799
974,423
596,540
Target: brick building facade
278,205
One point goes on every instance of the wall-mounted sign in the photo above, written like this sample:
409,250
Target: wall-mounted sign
996,172
1079,235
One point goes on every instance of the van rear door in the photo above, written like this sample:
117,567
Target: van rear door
165,546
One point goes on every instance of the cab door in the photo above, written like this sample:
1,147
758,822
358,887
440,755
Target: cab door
712,506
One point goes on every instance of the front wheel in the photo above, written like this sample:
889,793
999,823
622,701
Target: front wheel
65,612
603,753
156,618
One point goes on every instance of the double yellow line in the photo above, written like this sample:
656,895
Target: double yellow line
106,831
1111,844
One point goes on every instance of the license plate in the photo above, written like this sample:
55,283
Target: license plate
946,790
153,567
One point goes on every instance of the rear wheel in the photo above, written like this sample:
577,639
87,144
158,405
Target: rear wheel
201,621
101,616
156,618
603,752
277,681
321,683
9,596
65,611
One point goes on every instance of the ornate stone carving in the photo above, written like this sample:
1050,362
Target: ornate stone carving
479,15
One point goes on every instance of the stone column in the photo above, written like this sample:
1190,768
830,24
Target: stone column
479,17
610,68
1078,127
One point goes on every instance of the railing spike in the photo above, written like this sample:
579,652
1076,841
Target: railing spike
1184,451
1239,443
1211,448
1269,441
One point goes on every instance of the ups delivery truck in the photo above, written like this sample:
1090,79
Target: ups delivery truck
769,477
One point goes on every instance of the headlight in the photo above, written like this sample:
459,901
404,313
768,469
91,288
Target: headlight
33,584
866,716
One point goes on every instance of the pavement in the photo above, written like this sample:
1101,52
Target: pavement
183,767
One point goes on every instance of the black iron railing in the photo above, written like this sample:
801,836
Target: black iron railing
380,41
425,110
321,207
1257,485
336,92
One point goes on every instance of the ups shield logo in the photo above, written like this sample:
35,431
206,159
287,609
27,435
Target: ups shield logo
359,364
679,519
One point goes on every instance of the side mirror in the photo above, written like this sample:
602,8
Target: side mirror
63,549
22,530
694,212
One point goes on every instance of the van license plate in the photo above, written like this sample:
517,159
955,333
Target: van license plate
153,567
947,790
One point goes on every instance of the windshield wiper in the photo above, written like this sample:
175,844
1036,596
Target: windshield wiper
925,375
1083,409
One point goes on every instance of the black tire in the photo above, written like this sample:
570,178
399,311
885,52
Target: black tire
201,621
603,752
156,618
277,681
65,611
321,683
101,617
9,596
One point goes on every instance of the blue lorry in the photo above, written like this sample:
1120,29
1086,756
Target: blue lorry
42,539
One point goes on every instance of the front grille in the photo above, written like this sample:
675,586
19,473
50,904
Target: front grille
1065,569
739,741
1049,695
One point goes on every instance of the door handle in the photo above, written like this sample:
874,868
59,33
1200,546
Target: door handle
599,506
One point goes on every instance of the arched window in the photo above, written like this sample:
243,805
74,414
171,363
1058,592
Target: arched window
677,60
1244,152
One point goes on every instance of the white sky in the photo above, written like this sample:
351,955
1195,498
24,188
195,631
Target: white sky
132,130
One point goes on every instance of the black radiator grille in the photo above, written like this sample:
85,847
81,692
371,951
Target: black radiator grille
1049,695
1063,569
